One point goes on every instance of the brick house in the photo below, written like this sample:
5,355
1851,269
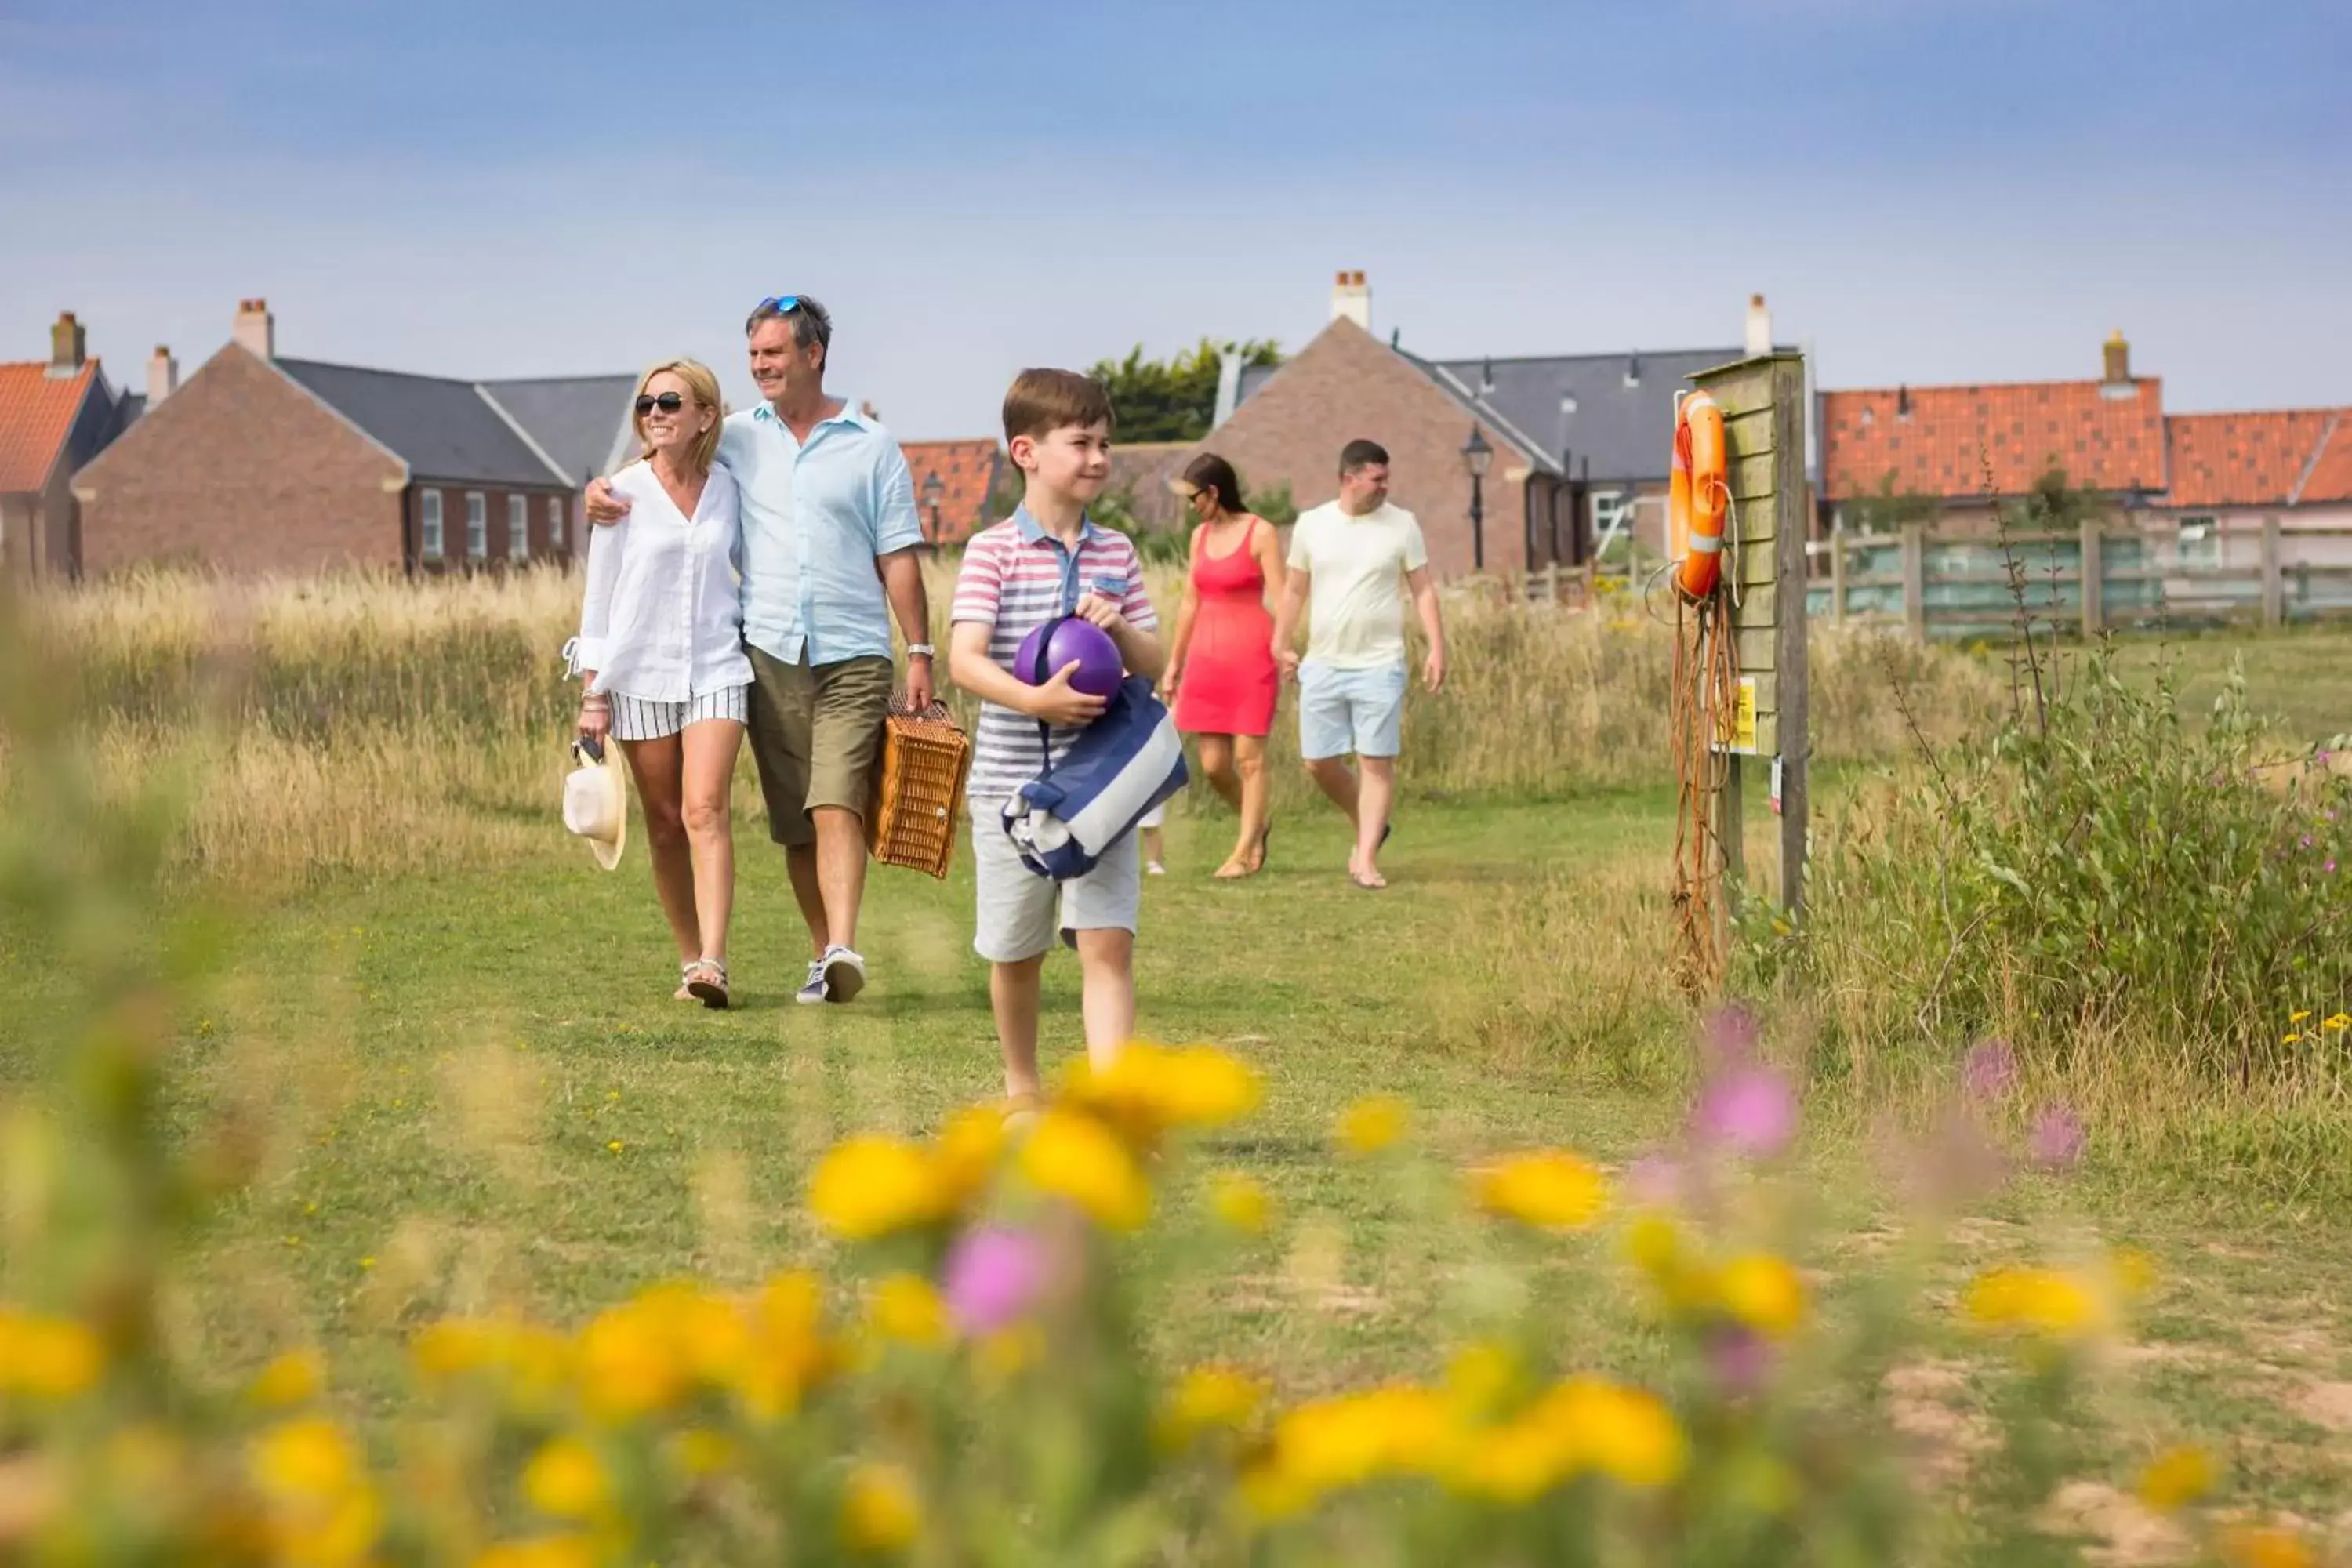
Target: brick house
953,481
55,416
259,463
2202,484
1582,442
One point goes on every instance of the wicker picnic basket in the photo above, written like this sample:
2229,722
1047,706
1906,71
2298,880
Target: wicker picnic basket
920,790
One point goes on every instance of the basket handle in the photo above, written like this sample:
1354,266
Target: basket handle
937,713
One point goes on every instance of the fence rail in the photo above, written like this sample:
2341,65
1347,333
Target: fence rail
2093,580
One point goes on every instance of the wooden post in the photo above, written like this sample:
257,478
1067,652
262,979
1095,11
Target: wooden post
1915,581
2093,574
1837,575
2273,578
1730,834
1793,730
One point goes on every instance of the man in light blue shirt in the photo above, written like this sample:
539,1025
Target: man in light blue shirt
830,544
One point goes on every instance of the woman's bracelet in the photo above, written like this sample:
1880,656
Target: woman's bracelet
595,704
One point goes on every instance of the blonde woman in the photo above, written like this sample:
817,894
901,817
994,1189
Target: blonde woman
661,649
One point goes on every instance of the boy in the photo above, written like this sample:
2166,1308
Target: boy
1017,575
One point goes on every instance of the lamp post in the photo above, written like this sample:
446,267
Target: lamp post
932,490
1475,456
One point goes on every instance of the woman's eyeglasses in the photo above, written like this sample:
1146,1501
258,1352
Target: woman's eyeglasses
668,402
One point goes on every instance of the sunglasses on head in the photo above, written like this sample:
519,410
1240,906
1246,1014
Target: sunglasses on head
668,402
782,304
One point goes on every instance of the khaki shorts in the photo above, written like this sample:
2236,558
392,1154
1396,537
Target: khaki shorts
816,736
1021,913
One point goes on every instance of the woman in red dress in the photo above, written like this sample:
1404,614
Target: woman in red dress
1220,665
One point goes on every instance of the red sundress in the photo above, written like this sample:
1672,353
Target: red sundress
1229,679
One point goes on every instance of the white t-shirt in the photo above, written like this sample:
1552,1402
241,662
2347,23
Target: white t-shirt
1356,567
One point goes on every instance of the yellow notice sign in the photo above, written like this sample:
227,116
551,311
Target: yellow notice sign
1743,717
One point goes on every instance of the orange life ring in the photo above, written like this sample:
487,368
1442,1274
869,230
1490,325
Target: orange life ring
1697,497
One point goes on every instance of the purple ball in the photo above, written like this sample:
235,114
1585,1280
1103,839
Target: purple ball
1099,670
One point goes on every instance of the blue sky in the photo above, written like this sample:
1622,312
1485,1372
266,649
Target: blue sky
1927,190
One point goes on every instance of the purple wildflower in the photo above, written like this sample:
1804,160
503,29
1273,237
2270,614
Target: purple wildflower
2306,841
993,1275
1749,1110
1741,1359
1992,1070
2329,867
1730,1038
2057,1139
1655,1180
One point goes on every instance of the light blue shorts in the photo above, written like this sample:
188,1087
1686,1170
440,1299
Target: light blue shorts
1344,710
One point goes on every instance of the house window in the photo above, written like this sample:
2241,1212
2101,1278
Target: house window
478,525
2200,542
1612,513
555,531
519,527
429,526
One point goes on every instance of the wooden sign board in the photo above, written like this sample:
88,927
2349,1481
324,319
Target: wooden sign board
1763,404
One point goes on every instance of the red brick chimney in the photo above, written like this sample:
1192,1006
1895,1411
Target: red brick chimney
68,347
256,329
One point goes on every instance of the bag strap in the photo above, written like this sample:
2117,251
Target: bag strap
1067,603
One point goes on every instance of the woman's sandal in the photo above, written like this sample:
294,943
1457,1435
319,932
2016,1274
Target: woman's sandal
706,982
685,992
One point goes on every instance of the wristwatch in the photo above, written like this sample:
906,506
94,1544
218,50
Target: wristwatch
921,650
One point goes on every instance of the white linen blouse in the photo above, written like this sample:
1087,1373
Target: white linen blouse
662,618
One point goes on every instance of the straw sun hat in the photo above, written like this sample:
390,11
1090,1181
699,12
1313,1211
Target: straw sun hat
596,803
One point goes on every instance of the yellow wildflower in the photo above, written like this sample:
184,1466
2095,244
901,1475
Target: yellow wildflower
1763,1292
1625,1432
1240,1202
969,1148
2043,1301
565,1480
48,1358
871,1185
1552,1189
1345,1442
1148,1089
339,1533
629,1363
2266,1547
906,1308
2176,1478
1481,1378
1656,1246
1076,1157
787,1354
294,1378
1209,1396
543,1552
2336,1023
306,1461
1008,1352
878,1510
1372,1124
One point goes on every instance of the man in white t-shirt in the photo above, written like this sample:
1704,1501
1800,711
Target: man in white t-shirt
1352,562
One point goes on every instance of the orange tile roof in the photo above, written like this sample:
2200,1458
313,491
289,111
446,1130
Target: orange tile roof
1939,440
2330,480
37,412
2244,460
966,470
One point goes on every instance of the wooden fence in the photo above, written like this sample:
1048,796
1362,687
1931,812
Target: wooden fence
2099,579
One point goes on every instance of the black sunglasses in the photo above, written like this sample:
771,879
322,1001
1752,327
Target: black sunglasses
668,402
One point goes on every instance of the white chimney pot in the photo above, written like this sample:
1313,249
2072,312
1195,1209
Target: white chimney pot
1352,297
163,375
256,329
1760,327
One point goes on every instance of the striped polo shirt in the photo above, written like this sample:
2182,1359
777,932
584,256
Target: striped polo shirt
1016,577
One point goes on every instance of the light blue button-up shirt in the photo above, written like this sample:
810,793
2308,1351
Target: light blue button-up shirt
814,519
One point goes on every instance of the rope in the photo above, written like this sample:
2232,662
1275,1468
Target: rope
1704,711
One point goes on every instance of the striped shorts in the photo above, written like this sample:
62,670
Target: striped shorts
634,719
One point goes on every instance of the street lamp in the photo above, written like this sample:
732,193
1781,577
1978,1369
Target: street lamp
932,490
1476,457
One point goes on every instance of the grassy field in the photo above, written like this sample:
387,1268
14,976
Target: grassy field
477,1092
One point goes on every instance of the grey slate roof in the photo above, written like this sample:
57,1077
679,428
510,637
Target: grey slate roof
442,429
580,421
1624,431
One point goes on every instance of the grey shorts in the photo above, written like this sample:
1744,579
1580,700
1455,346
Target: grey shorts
1021,912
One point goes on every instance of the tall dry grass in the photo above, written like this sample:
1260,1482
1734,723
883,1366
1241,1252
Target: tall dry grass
374,724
